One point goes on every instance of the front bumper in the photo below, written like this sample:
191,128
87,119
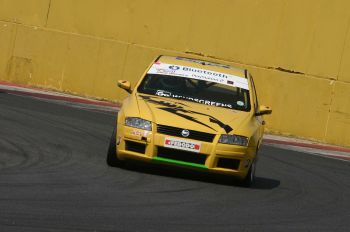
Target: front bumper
149,146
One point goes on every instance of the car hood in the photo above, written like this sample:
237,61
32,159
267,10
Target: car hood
188,115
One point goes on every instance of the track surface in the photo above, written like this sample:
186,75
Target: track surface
53,177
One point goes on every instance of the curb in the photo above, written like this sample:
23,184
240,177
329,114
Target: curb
307,145
51,95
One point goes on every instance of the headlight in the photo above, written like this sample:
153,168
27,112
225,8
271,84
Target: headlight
138,123
234,139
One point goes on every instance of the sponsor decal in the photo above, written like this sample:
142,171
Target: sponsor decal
182,144
162,93
174,67
202,101
199,74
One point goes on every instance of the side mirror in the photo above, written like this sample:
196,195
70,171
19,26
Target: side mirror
263,110
123,84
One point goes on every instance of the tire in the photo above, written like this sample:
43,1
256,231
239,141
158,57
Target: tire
250,178
112,159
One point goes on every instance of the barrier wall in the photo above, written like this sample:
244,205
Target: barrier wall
298,51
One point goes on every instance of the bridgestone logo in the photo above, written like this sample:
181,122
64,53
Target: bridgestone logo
182,145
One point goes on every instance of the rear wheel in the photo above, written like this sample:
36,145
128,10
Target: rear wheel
112,158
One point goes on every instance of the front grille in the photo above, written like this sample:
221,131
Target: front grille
175,131
179,155
228,163
135,147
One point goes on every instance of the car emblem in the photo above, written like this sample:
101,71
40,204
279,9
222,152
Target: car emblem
185,133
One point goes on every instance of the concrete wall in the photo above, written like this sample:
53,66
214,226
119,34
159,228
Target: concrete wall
298,51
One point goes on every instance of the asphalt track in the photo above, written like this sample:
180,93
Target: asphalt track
53,177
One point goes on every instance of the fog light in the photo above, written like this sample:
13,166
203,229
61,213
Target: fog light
118,140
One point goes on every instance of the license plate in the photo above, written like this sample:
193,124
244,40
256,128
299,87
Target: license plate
182,144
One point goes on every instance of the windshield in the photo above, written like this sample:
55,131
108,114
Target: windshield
195,90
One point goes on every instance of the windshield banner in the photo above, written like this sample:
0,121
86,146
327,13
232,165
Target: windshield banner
198,74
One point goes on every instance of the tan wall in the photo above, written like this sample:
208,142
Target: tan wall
298,51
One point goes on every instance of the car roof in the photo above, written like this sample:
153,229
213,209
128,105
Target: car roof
202,64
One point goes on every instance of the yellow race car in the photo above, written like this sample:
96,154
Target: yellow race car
191,113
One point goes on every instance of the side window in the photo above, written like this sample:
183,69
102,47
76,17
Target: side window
256,103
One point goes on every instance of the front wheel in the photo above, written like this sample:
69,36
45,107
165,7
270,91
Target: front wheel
112,158
250,178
